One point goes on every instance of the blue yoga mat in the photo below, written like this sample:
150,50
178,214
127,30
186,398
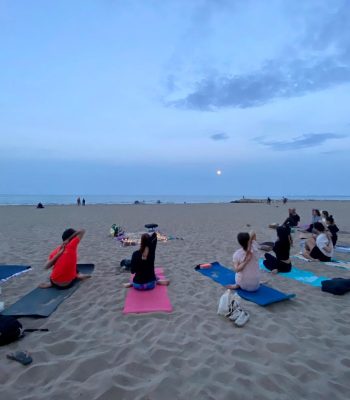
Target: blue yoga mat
40,303
299,275
263,296
7,271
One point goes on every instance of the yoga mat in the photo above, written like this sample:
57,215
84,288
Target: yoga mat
333,263
263,296
148,301
8,271
342,249
299,275
40,303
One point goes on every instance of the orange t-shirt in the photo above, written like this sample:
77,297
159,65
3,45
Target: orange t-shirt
65,268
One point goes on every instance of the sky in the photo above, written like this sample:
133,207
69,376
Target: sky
153,97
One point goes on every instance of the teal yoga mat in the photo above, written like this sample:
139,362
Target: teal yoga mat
299,275
41,303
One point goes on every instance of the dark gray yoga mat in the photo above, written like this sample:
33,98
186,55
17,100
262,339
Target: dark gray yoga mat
40,303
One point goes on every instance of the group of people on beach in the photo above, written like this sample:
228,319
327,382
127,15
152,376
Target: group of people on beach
63,261
319,246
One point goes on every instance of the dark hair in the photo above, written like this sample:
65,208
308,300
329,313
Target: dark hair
319,226
283,233
243,239
144,242
67,233
325,213
330,219
317,212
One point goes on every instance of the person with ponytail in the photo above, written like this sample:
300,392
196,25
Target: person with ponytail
245,263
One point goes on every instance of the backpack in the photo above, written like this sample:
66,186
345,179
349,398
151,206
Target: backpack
125,264
10,329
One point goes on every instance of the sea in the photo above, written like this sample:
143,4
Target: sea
66,199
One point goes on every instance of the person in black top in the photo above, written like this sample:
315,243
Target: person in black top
142,264
280,263
333,229
293,218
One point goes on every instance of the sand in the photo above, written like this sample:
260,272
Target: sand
291,350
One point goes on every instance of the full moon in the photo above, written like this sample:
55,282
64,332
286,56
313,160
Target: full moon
218,172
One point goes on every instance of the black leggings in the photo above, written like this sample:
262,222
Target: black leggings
271,263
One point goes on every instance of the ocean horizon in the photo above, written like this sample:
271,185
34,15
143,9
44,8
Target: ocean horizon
69,199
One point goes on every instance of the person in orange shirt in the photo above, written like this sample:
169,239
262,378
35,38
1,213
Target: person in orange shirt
64,261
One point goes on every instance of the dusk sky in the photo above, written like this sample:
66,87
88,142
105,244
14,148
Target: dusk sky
153,97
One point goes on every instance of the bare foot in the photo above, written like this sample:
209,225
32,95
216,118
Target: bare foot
45,285
232,287
163,282
274,271
127,285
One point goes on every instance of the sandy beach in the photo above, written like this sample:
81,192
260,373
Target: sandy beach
290,350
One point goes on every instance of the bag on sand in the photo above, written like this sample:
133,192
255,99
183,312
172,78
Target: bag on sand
226,301
125,264
229,306
10,329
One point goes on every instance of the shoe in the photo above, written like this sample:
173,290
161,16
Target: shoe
235,314
242,319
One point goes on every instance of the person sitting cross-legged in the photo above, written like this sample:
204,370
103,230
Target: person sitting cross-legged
321,247
63,261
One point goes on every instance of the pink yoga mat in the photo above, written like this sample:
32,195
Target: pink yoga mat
138,301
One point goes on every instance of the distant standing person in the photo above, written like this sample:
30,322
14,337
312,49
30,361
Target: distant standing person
83,202
78,201
284,199
268,200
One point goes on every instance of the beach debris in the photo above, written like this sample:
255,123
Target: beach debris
22,357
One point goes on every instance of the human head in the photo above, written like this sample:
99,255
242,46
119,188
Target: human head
325,214
330,220
315,211
67,233
243,239
319,227
283,233
144,241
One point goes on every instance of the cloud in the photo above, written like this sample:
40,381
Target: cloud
320,59
219,136
299,142
270,82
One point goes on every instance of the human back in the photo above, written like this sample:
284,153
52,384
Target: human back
245,261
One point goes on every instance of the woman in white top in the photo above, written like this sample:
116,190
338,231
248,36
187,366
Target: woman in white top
245,263
320,248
